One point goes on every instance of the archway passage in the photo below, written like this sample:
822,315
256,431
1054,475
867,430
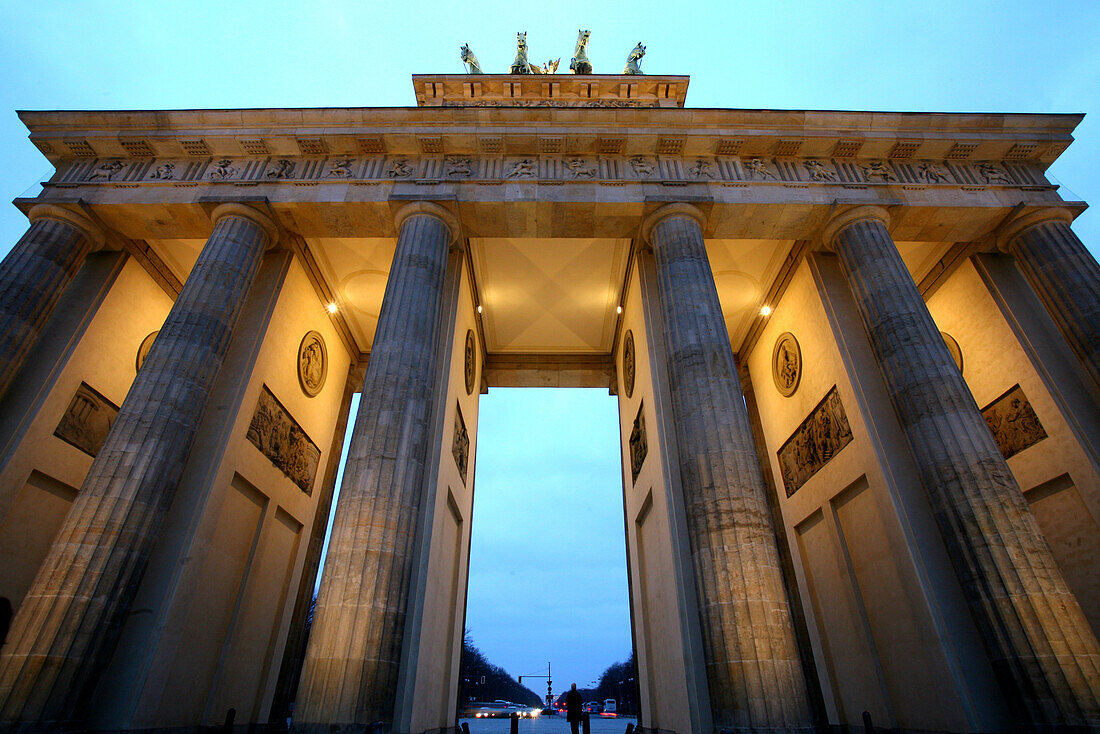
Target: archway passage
548,578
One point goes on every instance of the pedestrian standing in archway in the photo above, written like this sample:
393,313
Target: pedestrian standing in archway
574,706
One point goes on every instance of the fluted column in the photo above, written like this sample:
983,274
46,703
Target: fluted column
753,670
35,274
65,631
352,660
1065,276
1039,643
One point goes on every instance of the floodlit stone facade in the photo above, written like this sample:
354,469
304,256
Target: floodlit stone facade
857,359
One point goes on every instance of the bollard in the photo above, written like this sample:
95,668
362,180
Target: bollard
629,729
586,724
465,727
868,727
514,726
230,715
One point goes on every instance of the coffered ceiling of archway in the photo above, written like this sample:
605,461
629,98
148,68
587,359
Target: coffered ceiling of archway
549,295
546,296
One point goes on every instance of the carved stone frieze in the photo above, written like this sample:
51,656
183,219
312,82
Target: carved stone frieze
278,436
638,446
577,168
819,438
87,420
1013,422
460,446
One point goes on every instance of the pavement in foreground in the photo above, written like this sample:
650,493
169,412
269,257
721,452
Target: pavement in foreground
547,725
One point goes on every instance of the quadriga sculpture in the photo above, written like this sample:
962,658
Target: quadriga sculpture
468,58
580,63
634,59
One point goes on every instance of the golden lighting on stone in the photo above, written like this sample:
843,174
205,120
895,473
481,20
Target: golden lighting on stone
765,310
331,307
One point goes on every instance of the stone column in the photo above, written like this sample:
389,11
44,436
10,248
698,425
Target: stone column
753,669
1065,277
35,274
353,656
1039,643
65,631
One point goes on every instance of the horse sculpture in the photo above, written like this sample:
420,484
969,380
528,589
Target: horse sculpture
468,58
580,63
520,65
633,60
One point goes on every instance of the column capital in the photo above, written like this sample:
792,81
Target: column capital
431,209
1026,220
682,209
842,219
87,227
261,220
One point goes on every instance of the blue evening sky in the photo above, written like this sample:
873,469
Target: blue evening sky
544,586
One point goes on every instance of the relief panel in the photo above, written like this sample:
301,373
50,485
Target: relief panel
278,436
822,435
87,420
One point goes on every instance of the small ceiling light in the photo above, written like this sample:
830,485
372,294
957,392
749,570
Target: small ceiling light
765,310
618,309
479,309
331,307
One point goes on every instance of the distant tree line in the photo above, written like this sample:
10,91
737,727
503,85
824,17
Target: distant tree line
618,682
480,680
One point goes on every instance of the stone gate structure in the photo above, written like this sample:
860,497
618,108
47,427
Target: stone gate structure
857,359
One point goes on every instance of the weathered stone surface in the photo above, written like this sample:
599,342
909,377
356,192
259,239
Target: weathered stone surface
1038,641
32,278
352,661
1067,279
66,629
752,663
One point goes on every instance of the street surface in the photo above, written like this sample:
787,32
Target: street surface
547,725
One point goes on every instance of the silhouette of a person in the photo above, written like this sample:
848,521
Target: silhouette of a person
574,706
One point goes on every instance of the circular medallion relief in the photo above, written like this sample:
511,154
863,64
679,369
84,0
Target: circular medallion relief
953,347
470,361
628,363
312,363
786,364
143,350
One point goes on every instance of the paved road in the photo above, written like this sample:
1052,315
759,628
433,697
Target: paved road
547,725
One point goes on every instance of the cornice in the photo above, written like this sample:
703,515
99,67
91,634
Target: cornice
69,135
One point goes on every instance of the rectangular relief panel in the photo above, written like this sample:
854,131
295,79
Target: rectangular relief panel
819,438
281,439
87,420
1013,422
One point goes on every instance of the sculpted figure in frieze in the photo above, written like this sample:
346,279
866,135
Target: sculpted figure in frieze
634,59
400,168
340,168
818,172
580,63
223,169
164,172
642,167
283,168
105,171
992,174
457,166
702,169
877,169
758,168
468,58
551,67
580,168
523,168
931,173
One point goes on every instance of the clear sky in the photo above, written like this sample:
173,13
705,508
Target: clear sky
943,55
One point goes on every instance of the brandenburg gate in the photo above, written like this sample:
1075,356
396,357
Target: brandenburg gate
857,364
